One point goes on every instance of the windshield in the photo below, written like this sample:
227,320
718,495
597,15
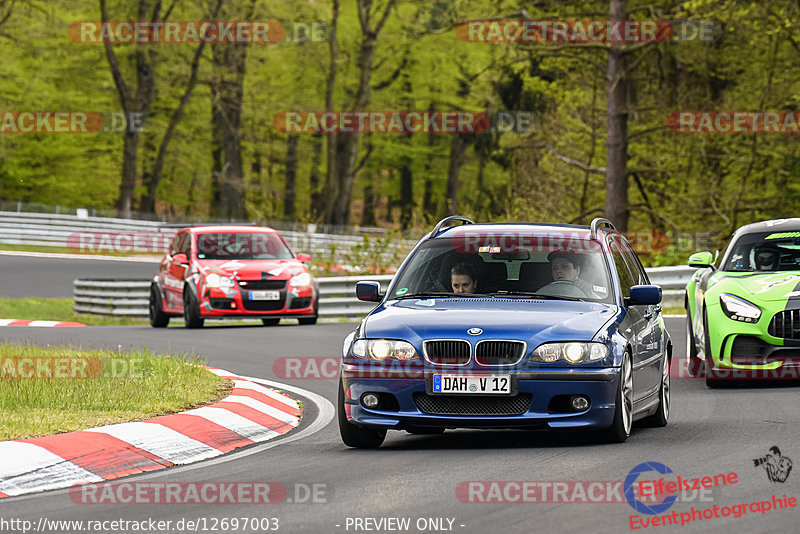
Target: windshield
506,265
242,246
765,251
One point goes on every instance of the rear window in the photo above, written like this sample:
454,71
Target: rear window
546,265
241,246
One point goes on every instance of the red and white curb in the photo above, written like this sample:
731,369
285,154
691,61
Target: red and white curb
250,414
20,322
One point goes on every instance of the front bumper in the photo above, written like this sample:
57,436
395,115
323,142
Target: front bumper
292,302
546,390
748,351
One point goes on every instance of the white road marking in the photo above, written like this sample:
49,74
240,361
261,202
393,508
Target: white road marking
235,422
160,441
26,467
326,413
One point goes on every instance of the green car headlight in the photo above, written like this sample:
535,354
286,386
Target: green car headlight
381,349
573,352
739,309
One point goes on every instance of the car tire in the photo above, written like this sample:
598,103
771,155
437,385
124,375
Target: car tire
620,428
158,319
711,380
661,416
354,435
695,368
270,321
191,311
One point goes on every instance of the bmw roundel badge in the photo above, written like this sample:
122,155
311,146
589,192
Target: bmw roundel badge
474,331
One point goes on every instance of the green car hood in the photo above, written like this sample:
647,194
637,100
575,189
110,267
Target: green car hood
765,287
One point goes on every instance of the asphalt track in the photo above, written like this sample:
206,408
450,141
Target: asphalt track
710,432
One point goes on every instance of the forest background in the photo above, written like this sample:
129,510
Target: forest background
210,146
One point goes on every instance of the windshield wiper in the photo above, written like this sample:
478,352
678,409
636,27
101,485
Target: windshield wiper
429,294
528,294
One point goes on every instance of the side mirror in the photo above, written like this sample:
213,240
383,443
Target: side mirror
645,295
305,258
180,259
701,260
368,291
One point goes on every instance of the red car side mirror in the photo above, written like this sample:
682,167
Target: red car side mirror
305,258
180,259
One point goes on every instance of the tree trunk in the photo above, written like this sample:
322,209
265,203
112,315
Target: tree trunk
315,200
133,101
291,173
130,145
616,208
153,178
458,150
406,196
226,115
368,217
331,139
338,212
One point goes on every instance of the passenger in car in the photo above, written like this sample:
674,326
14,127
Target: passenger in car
463,278
566,266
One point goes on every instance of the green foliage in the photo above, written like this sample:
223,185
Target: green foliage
685,183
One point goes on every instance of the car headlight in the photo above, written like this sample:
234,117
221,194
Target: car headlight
215,280
381,349
739,309
300,280
573,352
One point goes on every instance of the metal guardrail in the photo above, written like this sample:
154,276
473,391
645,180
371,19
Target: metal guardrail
43,229
129,298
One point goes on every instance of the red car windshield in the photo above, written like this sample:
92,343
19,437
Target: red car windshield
241,246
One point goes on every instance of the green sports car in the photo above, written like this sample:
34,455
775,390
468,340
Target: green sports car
743,318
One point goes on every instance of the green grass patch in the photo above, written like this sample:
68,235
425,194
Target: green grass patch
673,310
68,250
56,309
95,388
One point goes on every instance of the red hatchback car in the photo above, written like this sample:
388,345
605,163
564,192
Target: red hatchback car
232,271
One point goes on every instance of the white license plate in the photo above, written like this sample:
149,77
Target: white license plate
265,295
472,385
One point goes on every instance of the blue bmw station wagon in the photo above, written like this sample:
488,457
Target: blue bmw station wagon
508,326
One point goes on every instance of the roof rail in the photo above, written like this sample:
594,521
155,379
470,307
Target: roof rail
446,221
596,225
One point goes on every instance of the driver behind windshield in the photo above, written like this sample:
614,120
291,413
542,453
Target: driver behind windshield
566,267
765,258
463,278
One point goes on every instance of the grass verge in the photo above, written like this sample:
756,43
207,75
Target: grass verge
56,309
73,390
68,250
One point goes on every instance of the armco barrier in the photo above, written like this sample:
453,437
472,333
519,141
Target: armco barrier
337,294
129,298
45,229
